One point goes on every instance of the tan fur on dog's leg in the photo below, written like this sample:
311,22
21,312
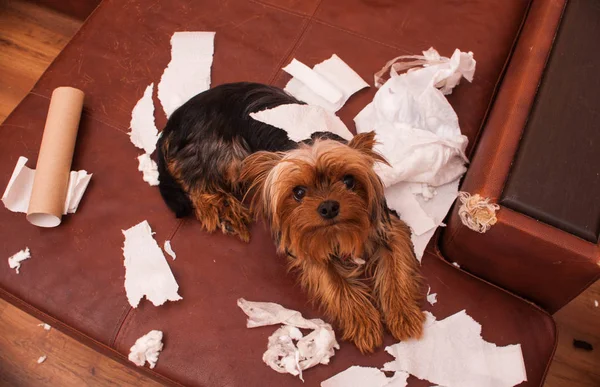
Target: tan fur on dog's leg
397,283
222,211
344,298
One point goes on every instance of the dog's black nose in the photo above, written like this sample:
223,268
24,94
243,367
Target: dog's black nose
329,209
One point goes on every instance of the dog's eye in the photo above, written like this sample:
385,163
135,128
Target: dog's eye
348,181
299,193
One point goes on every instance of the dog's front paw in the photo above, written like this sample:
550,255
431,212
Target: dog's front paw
364,329
405,322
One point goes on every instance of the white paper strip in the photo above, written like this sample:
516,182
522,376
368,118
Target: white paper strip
169,250
144,133
365,377
300,121
188,72
148,168
329,84
18,191
147,272
452,353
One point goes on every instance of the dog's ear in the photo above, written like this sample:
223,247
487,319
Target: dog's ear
364,143
254,173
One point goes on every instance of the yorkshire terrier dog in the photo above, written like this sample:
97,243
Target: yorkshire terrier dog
321,197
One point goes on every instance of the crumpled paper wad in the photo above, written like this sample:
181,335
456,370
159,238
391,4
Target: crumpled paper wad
288,350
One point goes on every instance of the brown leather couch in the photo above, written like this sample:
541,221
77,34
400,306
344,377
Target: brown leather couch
74,280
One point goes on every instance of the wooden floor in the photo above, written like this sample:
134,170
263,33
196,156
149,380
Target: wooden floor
30,38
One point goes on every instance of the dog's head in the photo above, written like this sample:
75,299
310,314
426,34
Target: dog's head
321,199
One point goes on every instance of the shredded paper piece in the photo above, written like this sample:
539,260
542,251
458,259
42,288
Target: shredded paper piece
288,351
300,121
476,212
365,377
169,250
41,359
148,168
146,349
46,326
147,272
431,297
455,264
596,303
328,84
188,72
452,353
18,191
144,133
14,262
418,133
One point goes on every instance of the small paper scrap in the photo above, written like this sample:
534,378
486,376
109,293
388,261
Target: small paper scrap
169,250
144,133
455,264
282,354
460,356
148,168
301,121
596,303
46,326
147,272
328,84
41,359
147,349
431,298
188,72
14,262
18,191
365,377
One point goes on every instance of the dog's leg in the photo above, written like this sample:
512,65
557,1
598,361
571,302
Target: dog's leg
343,298
397,282
222,211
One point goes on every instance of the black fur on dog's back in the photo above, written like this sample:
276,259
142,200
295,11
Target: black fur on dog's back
212,127
172,193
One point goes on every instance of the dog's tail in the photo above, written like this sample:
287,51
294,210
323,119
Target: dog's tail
171,191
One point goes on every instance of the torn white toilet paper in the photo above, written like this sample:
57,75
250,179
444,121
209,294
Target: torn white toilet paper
148,168
41,359
18,191
188,72
431,297
300,121
144,133
418,133
328,84
14,261
282,354
147,349
452,353
169,250
47,327
365,377
147,272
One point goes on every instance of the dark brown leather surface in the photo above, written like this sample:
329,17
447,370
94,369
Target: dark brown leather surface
556,174
76,273
208,344
530,258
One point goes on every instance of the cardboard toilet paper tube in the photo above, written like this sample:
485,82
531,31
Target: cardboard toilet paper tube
54,161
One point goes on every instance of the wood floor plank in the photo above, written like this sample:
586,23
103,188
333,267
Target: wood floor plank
68,362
